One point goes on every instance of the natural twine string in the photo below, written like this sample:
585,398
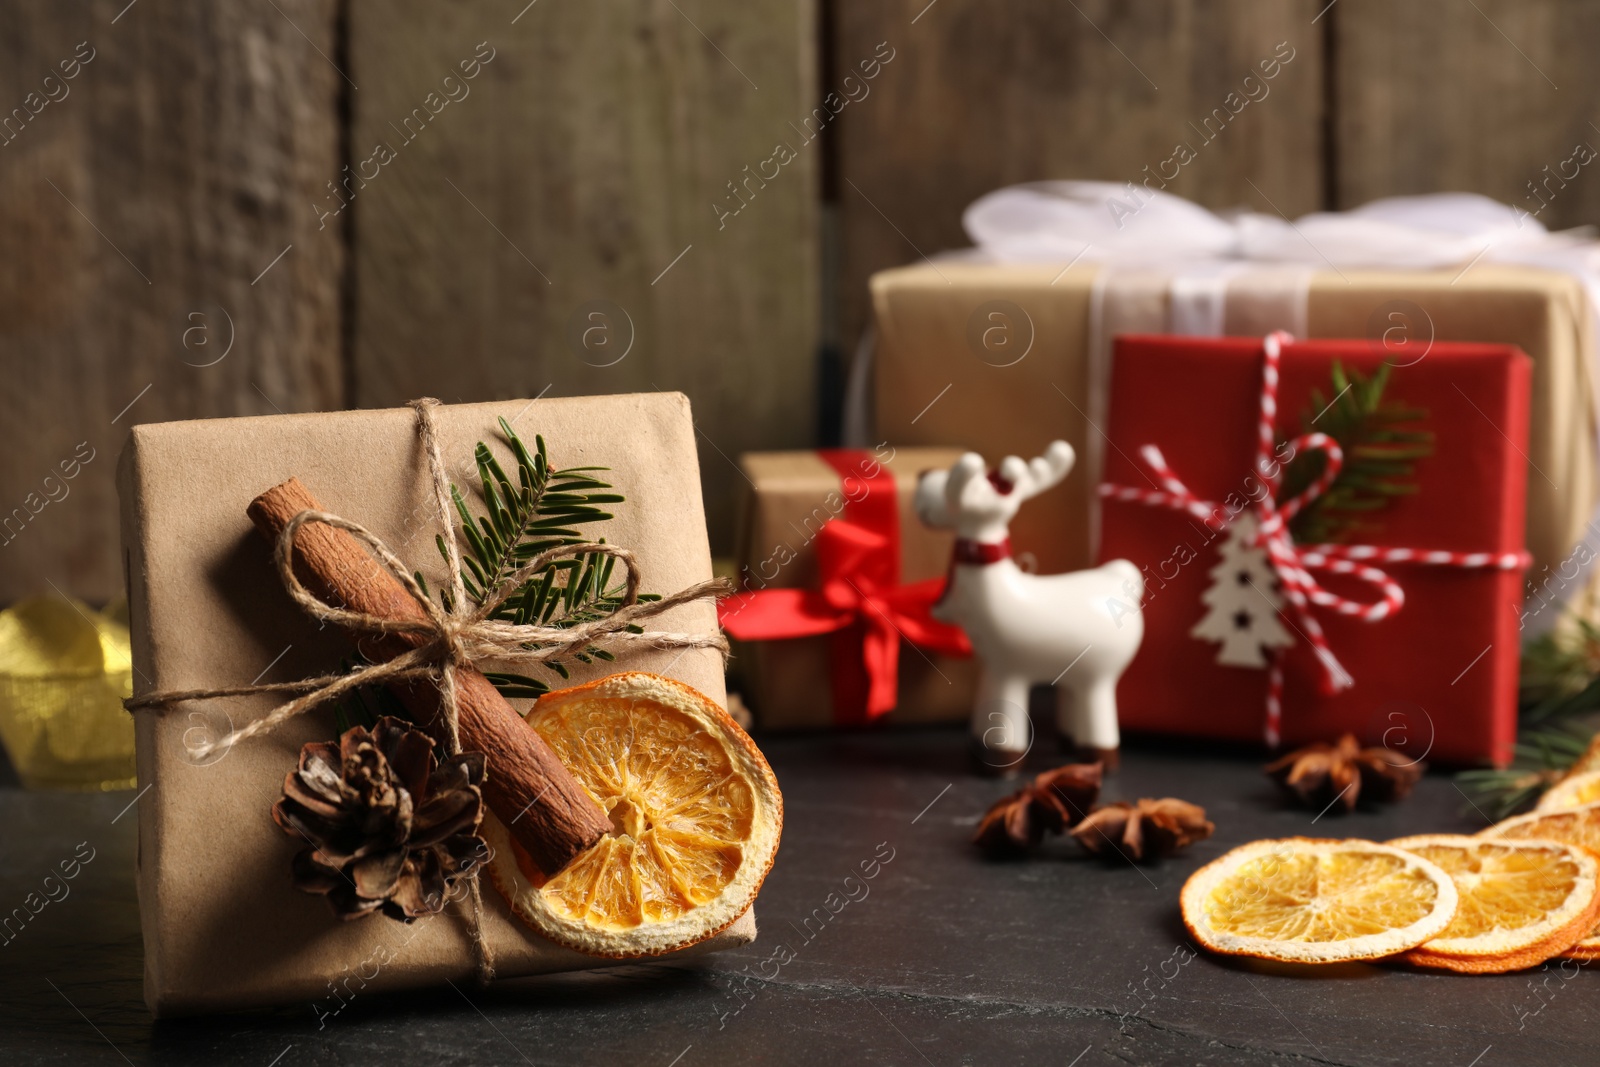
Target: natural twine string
456,640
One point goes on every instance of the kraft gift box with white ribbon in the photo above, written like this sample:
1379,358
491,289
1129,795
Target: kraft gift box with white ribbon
1006,346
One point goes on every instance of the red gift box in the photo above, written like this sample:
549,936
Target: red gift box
1436,674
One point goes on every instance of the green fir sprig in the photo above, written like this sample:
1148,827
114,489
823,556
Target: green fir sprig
1381,443
1540,759
1558,696
1560,676
539,511
366,705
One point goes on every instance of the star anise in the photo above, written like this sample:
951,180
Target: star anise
1146,830
388,830
1324,775
1052,802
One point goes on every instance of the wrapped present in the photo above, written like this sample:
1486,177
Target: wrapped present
224,927
835,581
1295,588
1008,345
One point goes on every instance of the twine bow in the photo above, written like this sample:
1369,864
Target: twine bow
456,638
1294,563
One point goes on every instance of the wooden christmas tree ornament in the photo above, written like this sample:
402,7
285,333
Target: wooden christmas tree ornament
1243,602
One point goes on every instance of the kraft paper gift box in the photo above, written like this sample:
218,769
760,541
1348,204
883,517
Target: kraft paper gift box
934,381
1439,672
223,926
818,681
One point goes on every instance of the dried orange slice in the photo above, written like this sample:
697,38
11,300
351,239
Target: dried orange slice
1315,901
695,814
1522,901
1575,826
1574,791
1589,761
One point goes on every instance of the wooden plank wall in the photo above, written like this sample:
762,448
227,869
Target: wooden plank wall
596,165
981,95
146,186
1480,97
576,200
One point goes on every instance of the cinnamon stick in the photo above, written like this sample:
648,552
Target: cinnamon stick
538,799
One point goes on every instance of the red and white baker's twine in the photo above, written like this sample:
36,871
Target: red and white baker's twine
1293,563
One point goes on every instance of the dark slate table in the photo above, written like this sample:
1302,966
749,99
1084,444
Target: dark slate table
942,959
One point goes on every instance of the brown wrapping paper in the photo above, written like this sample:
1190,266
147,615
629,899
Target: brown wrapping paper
791,495
924,314
223,927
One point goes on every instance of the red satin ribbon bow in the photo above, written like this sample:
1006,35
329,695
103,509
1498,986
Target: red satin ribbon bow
860,600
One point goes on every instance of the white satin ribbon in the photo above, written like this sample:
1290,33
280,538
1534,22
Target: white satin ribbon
1102,222
1127,226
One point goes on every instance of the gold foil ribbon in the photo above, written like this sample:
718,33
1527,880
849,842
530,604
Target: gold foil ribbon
65,670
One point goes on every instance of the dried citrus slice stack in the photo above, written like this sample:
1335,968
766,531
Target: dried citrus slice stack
695,814
1575,826
1573,791
1317,901
1522,902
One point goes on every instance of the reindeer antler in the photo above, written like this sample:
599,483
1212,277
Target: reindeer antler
1040,473
963,496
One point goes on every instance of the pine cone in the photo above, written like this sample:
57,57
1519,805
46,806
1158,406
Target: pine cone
1054,801
1146,830
388,829
1321,774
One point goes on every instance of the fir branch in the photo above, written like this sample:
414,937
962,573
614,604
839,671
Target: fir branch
1560,676
1541,758
1381,445
541,510
365,705
1499,794
1557,696
538,511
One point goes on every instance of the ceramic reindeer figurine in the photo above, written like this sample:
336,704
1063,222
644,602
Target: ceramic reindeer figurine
1030,629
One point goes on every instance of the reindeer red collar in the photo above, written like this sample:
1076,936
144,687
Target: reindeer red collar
1029,629
979,553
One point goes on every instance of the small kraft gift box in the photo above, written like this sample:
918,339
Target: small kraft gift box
836,579
224,925
1330,542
